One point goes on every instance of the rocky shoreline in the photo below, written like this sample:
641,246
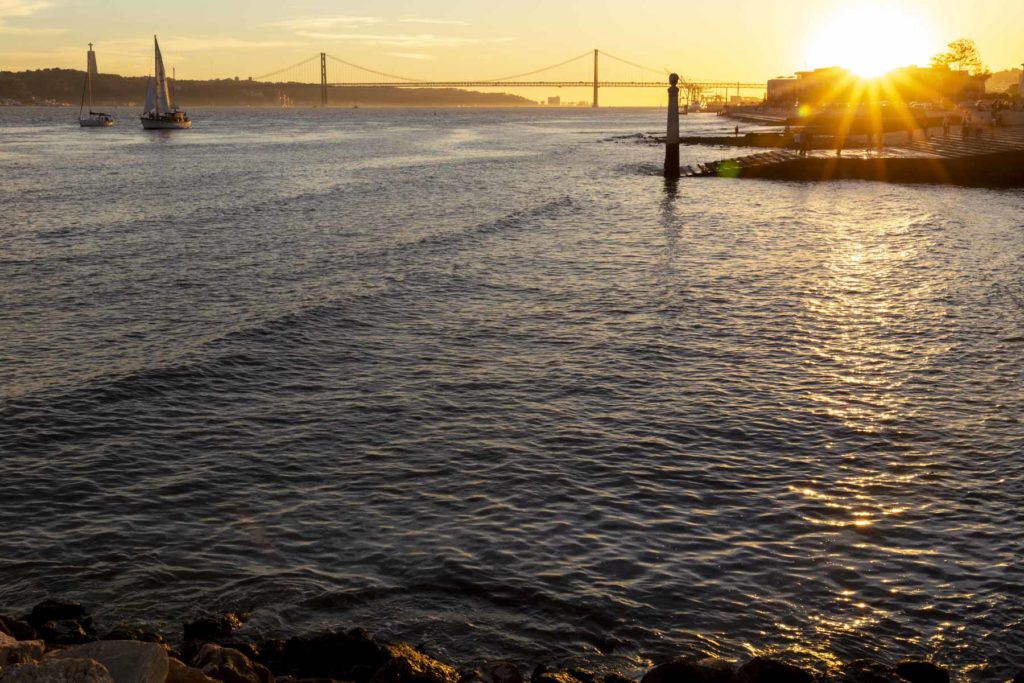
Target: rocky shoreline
58,642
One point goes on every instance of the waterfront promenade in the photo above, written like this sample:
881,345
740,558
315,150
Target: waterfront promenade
994,158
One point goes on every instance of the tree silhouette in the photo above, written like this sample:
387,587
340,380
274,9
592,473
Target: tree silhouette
963,55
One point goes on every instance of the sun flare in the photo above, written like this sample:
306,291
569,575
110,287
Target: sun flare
872,38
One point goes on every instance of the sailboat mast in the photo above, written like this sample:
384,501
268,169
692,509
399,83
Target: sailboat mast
90,60
85,87
174,82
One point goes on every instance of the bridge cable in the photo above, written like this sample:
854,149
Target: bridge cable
531,73
287,68
376,73
633,64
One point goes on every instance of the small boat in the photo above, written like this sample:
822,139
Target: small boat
95,119
160,112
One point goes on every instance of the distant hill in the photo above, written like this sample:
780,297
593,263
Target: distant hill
64,86
1001,81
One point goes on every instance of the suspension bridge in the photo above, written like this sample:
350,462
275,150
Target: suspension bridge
565,74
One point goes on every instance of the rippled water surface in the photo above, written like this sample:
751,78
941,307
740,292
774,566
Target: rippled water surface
479,379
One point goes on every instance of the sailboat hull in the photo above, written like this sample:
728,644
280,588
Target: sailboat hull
96,122
161,124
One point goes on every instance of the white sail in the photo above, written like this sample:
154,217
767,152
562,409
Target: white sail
163,101
150,98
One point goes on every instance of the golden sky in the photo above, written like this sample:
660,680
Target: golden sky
745,40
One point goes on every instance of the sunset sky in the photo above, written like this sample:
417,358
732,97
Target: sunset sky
449,39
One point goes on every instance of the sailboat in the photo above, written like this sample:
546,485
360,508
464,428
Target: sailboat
160,113
94,119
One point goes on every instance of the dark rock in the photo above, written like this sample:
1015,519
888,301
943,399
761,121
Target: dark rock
62,622
56,610
57,671
868,671
408,665
350,656
270,651
505,672
616,678
471,676
607,645
584,675
128,661
689,671
213,629
131,632
922,672
767,670
67,632
542,675
18,628
230,666
1019,678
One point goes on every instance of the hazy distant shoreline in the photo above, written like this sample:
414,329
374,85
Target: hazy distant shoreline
60,87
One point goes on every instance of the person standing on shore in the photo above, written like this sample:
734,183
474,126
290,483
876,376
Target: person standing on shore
945,126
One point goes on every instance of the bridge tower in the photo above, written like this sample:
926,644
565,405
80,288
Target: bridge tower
323,79
595,79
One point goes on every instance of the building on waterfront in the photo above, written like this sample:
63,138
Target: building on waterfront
782,92
835,86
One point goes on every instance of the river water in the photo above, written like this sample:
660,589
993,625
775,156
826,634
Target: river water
482,380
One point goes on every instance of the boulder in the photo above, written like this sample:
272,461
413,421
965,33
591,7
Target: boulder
62,622
213,629
690,671
408,665
128,661
56,610
230,666
767,670
542,675
868,671
67,632
19,651
57,671
18,628
922,672
132,632
505,672
471,676
177,672
349,656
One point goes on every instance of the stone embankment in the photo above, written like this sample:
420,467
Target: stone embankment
58,643
757,139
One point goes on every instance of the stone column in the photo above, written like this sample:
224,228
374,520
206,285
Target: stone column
672,133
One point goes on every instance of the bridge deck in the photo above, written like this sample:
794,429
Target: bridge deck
710,85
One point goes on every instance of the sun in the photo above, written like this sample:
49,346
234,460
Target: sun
872,38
